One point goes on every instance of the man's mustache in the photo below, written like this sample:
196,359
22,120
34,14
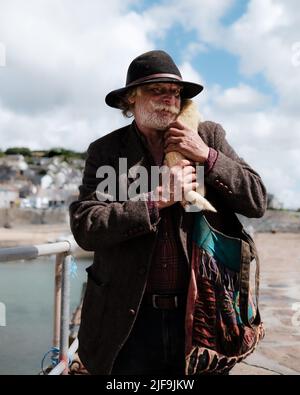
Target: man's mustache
171,109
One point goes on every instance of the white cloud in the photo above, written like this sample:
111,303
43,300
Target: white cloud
263,40
63,56
199,15
194,48
241,98
62,59
190,74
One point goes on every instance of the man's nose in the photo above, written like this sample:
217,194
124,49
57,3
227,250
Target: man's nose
169,98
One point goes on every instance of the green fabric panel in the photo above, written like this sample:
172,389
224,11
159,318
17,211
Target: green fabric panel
237,309
224,249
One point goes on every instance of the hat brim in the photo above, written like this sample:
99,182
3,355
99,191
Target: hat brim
190,90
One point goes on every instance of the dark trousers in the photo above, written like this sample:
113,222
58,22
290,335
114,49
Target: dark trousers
155,345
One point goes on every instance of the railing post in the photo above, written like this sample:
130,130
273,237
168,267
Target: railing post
65,313
57,300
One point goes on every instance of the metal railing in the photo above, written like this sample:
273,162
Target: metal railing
63,250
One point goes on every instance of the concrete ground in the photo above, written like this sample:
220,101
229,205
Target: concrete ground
32,234
279,351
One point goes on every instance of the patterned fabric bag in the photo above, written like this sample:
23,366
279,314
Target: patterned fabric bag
223,323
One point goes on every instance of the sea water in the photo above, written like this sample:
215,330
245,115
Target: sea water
27,292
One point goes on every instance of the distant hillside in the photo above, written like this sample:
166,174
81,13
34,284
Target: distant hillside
57,151
274,221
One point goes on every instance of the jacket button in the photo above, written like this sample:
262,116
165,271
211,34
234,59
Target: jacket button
132,312
230,192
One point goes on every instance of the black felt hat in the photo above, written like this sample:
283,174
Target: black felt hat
152,67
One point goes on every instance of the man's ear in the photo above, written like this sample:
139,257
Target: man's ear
131,100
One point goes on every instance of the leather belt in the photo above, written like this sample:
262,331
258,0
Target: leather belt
164,302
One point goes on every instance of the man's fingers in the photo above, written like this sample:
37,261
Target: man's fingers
183,163
188,169
177,124
182,169
172,140
191,186
190,177
173,132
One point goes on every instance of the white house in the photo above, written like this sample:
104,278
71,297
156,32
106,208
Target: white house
16,162
7,195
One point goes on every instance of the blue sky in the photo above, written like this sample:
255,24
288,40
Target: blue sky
238,9
59,71
216,65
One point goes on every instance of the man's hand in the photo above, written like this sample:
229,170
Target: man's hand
181,179
181,139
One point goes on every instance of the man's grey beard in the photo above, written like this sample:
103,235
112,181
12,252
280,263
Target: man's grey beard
152,119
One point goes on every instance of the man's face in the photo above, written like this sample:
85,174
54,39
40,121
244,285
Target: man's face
157,105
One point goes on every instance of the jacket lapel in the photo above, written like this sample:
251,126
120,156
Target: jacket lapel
131,154
132,149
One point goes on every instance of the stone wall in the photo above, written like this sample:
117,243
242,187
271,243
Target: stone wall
16,216
274,221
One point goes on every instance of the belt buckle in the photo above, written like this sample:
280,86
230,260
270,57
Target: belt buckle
174,297
154,301
176,301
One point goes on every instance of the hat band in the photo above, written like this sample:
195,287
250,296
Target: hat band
160,75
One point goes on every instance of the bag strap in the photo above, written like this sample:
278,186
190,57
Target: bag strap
248,251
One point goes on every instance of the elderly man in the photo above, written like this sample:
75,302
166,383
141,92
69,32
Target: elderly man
133,315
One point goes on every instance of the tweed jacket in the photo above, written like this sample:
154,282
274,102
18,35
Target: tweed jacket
122,235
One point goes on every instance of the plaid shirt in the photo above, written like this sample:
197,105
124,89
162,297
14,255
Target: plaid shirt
169,269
